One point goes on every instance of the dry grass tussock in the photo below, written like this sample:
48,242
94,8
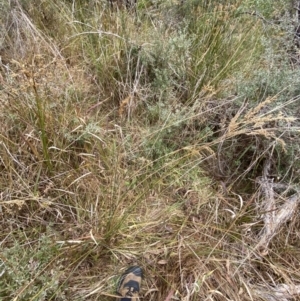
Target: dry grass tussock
109,159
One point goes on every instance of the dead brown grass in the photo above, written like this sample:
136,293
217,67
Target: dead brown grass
90,185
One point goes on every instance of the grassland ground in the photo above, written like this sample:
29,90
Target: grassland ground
165,137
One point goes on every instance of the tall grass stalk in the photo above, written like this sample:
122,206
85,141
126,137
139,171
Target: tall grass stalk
41,117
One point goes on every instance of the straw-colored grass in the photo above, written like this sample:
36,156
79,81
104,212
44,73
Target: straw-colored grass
165,136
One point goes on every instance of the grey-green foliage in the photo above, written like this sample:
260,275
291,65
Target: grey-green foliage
26,275
285,83
281,78
163,63
267,8
174,58
4,12
163,138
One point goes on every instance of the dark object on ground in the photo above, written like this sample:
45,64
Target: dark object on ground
130,283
